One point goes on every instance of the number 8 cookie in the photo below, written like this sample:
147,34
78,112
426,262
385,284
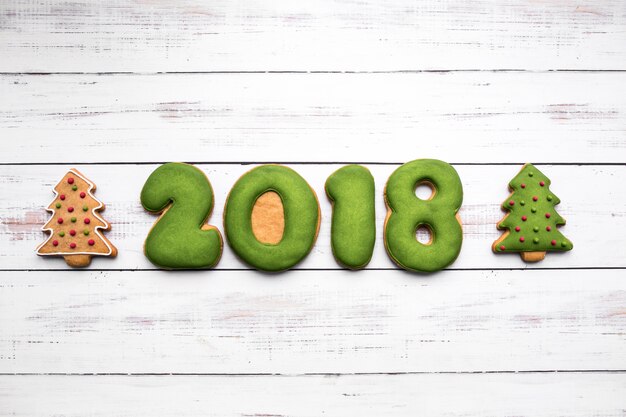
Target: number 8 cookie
406,213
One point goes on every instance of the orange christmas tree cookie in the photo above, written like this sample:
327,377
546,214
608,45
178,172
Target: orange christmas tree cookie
75,226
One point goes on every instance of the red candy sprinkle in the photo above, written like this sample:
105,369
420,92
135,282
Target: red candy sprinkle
72,232
60,220
511,203
70,209
542,183
82,195
70,180
547,215
62,196
517,228
524,218
502,247
523,186
91,242
548,228
535,198
553,243
521,239
55,243
87,221
72,245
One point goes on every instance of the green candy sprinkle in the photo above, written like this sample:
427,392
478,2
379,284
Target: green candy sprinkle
85,208
549,198
563,244
522,203
58,205
61,234
74,188
86,232
73,219
530,174
536,240
534,209
536,229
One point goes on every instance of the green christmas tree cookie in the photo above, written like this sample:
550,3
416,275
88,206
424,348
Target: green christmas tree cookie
531,222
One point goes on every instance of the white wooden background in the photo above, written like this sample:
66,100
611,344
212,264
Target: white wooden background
115,88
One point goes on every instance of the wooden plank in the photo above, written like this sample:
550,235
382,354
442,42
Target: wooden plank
311,321
536,395
173,35
457,117
596,218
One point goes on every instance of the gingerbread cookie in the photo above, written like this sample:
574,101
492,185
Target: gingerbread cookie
271,218
180,238
406,213
532,220
353,231
75,226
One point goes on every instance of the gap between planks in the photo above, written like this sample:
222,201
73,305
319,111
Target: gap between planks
401,71
317,374
528,268
245,163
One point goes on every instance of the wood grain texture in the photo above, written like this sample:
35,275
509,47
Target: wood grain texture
196,35
565,395
596,219
483,84
311,322
457,117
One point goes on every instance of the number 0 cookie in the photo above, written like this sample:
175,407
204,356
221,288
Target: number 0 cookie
271,218
76,226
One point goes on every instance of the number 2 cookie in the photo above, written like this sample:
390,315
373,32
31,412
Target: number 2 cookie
75,226
181,238
532,220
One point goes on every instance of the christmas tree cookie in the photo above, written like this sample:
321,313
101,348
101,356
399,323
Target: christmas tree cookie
532,221
75,226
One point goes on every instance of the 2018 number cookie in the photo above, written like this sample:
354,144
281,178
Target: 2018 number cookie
353,231
180,238
300,222
406,213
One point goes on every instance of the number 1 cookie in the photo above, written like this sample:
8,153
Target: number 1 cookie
75,226
353,231
531,222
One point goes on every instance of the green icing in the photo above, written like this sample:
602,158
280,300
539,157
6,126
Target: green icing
180,238
301,211
539,229
406,213
353,231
